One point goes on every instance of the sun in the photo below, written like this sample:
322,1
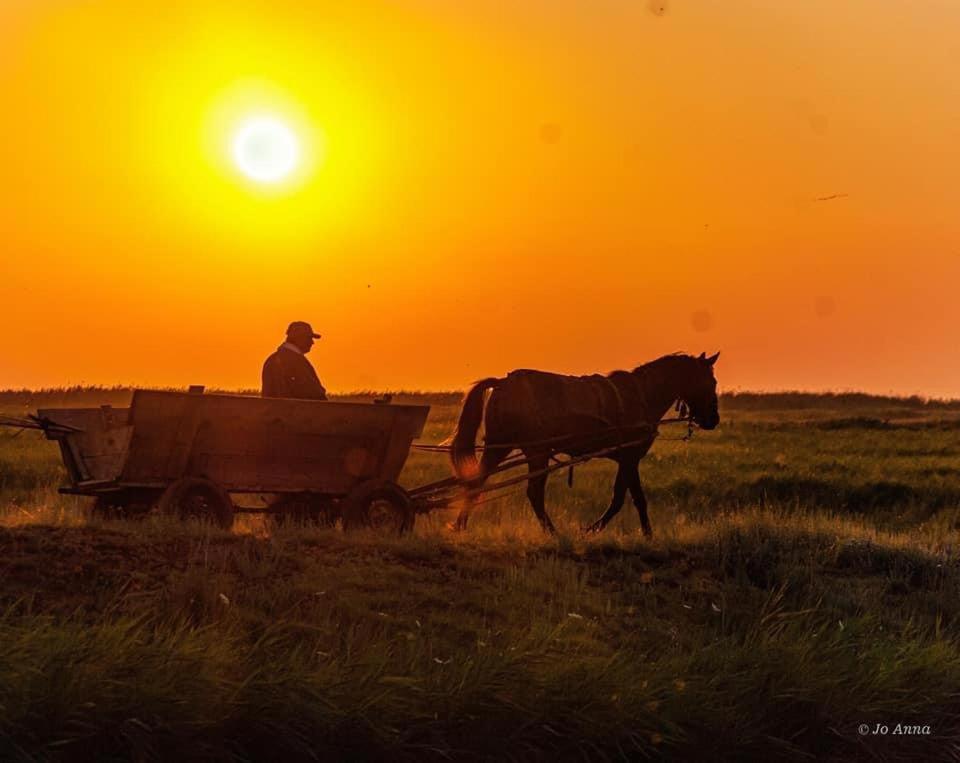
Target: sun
265,149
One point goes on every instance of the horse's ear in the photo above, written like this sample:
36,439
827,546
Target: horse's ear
713,358
703,356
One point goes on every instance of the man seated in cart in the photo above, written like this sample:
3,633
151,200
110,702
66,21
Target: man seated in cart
288,373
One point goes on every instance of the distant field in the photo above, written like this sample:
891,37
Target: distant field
803,580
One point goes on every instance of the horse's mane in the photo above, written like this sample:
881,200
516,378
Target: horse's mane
673,359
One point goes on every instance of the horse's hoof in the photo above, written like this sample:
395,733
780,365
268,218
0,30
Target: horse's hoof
455,527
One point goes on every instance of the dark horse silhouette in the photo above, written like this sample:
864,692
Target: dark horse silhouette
543,413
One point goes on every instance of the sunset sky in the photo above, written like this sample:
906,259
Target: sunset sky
480,186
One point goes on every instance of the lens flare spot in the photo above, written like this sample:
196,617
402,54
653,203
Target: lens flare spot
824,306
701,320
551,132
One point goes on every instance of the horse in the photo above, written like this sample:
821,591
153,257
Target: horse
544,413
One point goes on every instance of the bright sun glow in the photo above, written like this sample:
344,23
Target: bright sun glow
266,150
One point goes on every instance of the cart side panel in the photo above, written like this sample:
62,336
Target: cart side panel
96,452
274,457
155,418
263,444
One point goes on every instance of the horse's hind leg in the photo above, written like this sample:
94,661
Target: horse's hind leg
468,500
616,503
537,490
488,462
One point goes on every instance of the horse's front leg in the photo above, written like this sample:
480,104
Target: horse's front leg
616,503
640,500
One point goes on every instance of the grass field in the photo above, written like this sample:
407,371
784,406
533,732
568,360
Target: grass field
803,580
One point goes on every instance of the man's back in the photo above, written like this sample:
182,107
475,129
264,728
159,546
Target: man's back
287,373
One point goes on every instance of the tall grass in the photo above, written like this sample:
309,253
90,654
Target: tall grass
737,637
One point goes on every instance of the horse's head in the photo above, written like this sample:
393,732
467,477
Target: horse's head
701,393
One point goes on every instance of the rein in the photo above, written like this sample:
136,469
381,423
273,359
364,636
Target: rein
687,418
36,422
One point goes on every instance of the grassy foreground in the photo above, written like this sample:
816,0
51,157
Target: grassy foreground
803,580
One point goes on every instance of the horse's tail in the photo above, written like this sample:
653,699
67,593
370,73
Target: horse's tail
463,448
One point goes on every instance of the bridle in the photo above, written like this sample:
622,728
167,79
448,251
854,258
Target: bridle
685,413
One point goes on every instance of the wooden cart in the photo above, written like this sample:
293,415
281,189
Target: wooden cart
186,453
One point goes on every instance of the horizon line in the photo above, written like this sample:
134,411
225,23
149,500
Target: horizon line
367,392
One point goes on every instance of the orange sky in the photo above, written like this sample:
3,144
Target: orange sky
574,186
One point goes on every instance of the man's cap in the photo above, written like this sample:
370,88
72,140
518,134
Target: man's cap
301,327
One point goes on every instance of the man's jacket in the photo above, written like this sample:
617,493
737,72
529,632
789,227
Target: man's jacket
288,373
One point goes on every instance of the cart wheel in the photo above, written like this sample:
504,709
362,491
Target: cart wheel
198,498
380,505
125,504
303,509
